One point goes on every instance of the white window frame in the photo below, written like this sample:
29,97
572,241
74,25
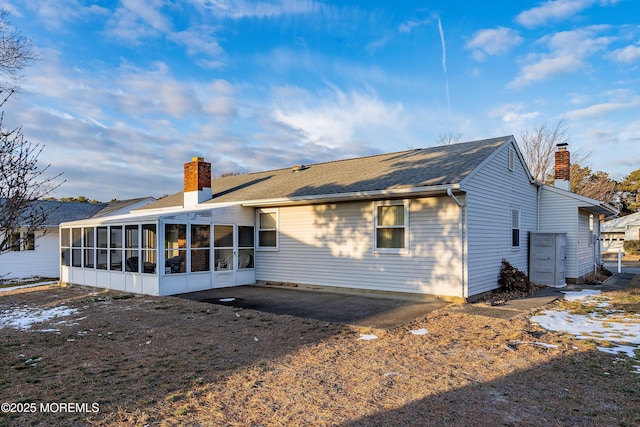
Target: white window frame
258,230
516,227
406,205
512,159
22,243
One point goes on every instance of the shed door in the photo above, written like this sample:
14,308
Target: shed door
561,256
547,259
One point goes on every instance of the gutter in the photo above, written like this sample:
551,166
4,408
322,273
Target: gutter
462,245
355,195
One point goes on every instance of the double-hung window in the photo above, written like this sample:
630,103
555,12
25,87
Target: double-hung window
21,241
515,228
391,226
267,220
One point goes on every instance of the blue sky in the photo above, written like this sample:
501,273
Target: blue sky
125,92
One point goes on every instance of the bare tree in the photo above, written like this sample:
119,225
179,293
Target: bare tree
538,148
16,52
22,181
448,138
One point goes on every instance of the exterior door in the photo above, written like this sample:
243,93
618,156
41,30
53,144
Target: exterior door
547,255
224,256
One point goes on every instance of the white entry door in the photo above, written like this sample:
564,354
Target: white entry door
224,256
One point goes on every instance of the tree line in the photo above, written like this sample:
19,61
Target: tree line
538,148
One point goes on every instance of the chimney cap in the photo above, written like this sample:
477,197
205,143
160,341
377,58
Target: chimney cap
562,145
197,159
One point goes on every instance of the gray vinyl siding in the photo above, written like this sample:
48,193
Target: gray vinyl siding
586,246
492,192
332,245
43,261
559,213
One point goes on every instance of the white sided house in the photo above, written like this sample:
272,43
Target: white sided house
435,221
616,231
38,253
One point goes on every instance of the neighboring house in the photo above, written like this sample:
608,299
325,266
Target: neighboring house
39,252
436,221
616,231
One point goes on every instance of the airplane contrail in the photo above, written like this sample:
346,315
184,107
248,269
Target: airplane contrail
444,64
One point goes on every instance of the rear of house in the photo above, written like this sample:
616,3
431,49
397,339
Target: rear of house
436,221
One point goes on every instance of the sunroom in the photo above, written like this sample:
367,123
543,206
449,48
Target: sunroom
163,254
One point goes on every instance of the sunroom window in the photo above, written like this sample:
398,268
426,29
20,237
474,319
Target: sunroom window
76,243
116,244
200,251
89,247
132,248
149,248
245,247
175,244
102,243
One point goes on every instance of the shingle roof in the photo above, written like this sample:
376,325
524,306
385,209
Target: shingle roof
440,165
620,224
59,212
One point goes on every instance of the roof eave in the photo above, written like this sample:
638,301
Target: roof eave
359,195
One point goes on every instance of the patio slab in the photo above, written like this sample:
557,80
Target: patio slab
358,309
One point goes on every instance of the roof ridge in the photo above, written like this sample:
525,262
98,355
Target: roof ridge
505,137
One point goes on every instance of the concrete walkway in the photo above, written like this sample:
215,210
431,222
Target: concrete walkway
543,297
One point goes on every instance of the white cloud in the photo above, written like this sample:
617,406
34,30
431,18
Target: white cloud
137,19
339,119
544,68
568,51
56,13
377,44
408,26
514,116
200,40
601,109
496,41
553,10
155,92
238,9
626,54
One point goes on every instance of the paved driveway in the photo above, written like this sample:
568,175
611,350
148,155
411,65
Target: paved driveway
383,312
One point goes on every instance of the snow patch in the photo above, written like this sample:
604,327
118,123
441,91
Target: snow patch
422,331
365,337
227,299
610,325
24,318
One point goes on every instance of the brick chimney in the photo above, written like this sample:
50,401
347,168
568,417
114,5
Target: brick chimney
563,167
197,181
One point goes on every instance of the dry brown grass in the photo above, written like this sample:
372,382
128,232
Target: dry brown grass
167,361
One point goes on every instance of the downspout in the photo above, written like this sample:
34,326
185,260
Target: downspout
538,197
462,245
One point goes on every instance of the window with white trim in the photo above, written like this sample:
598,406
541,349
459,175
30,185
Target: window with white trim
21,241
267,222
515,228
512,159
391,226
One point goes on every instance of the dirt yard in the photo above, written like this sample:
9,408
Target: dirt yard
105,358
